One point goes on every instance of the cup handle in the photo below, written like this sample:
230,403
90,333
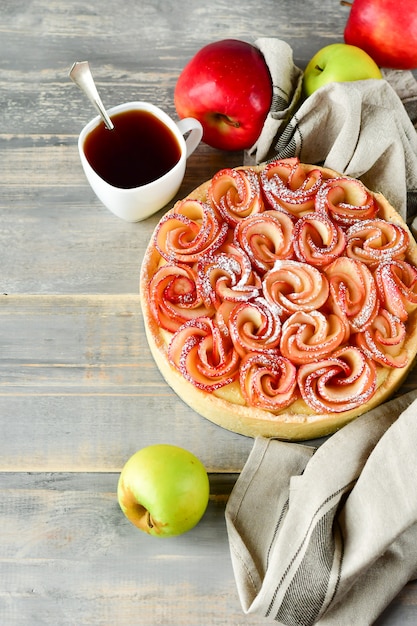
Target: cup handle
192,126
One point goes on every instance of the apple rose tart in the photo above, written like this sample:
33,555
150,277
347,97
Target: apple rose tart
281,300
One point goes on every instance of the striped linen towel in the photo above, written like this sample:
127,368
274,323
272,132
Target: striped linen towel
328,535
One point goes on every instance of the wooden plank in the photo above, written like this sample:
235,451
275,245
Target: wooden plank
69,556
79,389
153,35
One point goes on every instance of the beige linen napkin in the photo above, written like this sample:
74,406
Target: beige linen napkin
361,128
328,535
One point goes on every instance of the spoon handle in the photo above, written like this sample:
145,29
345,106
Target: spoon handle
80,73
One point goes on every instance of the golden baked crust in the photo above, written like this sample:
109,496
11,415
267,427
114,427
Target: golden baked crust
298,421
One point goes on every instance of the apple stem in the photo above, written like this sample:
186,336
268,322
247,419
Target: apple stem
227,120
344,3
317,67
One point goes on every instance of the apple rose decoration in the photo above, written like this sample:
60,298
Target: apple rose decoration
341,382
255,327
266,238
268,381
235,194
347,200
353,292
375,241
175,297
383,341
397,287
311,336
289,188
191,230
317,240
227,275
294,286
204,355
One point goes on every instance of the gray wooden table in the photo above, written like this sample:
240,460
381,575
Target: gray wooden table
79,391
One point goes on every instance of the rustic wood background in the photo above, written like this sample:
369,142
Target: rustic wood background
79,391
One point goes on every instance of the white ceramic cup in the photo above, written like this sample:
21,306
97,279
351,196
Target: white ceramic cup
138,203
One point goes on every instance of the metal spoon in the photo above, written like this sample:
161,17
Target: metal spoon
81,74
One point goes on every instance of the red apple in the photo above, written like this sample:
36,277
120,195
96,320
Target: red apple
386,30
228,88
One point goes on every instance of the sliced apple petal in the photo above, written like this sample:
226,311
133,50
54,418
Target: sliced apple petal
174,296
340,383
235,194
397,286
311,336
267,381
375,241
384,340
295,286
288,187
347,200
227,275
192,229
353,292
265,238
317,240
254,327
203,354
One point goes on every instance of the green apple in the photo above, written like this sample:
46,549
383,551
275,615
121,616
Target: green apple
163,490
338,62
